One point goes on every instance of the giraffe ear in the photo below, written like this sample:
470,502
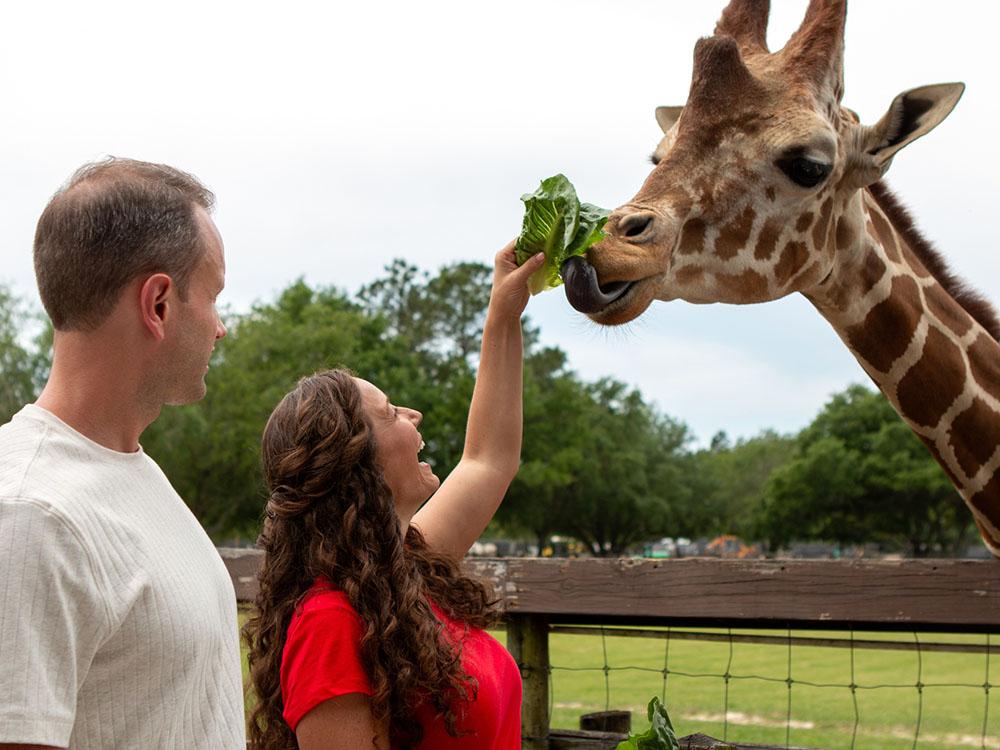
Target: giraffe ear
912,114
667,116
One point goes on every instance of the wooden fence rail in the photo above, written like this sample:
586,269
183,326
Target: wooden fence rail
961,596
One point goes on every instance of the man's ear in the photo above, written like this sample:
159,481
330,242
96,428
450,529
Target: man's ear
155,298
912,114
667,116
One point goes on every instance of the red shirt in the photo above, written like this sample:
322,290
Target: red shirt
322,659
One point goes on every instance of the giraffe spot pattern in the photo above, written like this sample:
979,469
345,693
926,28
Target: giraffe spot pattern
933,384
979,425
915,263
987,502
748,286
810,276
692,237
947,310
735,234
887,329
804,222
771,194
937,457
820,230
872,272
884,234
984,361
845,234
767,242
687,275
793,257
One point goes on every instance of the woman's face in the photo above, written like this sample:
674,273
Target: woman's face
398,444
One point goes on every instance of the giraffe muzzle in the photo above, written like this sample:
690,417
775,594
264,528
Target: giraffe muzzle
583,290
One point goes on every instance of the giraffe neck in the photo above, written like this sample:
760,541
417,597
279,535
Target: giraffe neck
939,368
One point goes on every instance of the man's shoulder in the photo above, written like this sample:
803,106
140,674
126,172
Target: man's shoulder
20,442
41,457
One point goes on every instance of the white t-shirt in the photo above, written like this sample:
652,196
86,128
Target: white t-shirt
117,616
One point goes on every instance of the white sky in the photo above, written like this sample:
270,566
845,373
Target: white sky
340,136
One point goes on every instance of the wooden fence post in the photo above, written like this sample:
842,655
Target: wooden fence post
528,643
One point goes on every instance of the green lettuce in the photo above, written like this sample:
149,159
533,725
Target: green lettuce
659,736
557,224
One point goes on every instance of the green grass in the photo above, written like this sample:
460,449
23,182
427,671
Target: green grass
821,717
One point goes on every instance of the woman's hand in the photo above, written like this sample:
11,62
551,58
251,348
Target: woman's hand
510,293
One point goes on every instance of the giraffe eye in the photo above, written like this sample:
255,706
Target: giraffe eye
803,171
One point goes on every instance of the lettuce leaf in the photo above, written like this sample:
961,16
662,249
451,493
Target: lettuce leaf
659,736
557,224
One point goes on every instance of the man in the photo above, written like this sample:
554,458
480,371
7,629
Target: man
117,617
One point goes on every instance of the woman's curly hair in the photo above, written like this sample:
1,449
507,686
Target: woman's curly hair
330,513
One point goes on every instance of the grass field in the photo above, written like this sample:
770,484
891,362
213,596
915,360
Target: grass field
951,713
821,717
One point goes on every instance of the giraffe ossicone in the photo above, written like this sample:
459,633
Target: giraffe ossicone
764,185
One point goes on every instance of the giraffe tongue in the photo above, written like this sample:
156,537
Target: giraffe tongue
582,289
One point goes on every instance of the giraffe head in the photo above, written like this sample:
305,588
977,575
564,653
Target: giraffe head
754,174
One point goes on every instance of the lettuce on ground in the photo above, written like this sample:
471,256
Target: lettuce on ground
659,736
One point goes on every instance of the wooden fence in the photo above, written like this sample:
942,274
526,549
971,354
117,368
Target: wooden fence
542,595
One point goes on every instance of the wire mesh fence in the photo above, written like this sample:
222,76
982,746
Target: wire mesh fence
597,634
785,688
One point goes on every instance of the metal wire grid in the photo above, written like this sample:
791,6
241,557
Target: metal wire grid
727,676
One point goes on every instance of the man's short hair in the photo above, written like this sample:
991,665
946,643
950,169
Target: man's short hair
115,220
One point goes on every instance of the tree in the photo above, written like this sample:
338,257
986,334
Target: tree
441,315
627,487
727,483
23,366
555,446
860,475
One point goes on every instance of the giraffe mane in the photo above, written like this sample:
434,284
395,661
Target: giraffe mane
972,301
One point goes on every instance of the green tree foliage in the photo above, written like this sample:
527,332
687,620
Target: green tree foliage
555,447
859,475
441,315
628,484
599,463
728,481
24,363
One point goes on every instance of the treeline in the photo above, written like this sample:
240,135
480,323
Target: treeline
599,462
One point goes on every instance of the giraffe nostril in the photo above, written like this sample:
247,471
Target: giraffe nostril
635,225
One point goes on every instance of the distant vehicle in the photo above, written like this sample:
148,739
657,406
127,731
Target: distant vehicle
563,546
669,547
663,548
730,546
483,549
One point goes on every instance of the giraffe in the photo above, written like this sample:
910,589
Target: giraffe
765,185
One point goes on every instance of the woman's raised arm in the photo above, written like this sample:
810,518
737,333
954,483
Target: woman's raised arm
460,510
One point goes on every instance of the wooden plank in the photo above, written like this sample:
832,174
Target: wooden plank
704,742
584,739
945,595
242,565
571,739
830,594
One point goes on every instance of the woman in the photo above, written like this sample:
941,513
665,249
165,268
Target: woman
367,634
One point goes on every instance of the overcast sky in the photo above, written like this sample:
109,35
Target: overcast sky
340,136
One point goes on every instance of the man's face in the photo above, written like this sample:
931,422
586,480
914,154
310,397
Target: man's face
196,325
